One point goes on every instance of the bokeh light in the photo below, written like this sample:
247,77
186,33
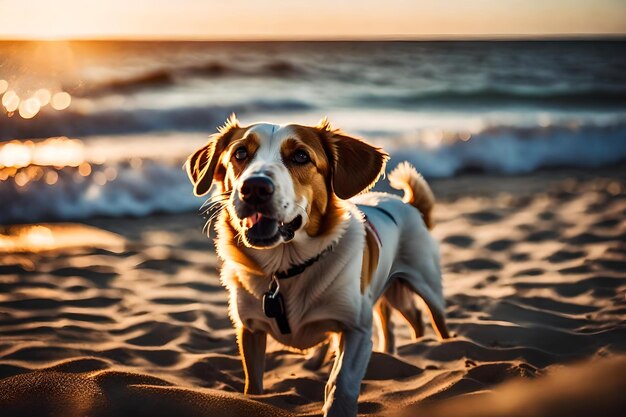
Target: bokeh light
100,178
29,108
10,101
58,152
4,85
51,177
44,96
61,101
15,154
84,169
110,173
21,179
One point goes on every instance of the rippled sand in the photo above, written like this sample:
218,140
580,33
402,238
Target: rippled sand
136,324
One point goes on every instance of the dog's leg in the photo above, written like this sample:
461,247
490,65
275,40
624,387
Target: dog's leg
438,318
252,350
318,357
436,311
387,340
401,297
344,383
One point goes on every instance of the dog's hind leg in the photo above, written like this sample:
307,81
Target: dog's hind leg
318,357
401,297
438,318
432,299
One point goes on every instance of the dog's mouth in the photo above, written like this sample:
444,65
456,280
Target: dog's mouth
261,230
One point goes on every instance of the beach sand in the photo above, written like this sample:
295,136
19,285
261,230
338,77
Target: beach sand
135,322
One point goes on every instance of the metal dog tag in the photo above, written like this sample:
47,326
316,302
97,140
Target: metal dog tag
273,304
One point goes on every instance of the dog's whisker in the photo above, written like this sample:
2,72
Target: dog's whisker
213,203
213,216
215,197
211,200
214,207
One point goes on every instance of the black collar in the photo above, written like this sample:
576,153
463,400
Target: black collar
300,268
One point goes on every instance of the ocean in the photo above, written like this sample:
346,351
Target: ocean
139,108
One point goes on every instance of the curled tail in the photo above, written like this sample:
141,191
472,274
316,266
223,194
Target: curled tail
416,190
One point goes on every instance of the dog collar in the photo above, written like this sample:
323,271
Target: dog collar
300,268
273,303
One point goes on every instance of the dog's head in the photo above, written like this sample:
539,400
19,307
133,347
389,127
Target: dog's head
279,181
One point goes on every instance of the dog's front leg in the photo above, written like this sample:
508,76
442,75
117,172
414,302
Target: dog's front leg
252,350
344,384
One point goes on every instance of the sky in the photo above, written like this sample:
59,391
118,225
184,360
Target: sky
299,19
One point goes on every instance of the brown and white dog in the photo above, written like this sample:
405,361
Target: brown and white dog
306,255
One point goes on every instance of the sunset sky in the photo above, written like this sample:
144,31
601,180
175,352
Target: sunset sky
285,19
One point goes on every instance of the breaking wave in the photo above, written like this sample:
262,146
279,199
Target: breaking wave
157,185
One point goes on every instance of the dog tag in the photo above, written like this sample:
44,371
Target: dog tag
273,305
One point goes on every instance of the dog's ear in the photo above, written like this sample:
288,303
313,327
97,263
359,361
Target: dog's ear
355,165
201,165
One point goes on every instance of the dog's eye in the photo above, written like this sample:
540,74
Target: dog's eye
241,153
300,157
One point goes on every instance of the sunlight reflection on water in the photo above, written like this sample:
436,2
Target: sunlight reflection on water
28,106
58,152
41,237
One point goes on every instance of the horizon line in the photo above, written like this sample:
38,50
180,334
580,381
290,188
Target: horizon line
384,38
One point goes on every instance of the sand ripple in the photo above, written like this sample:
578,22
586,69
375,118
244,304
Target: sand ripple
532,281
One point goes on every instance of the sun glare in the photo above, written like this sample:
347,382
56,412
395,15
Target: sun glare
15,154
26,162
39,236
29,107
42,237
56,152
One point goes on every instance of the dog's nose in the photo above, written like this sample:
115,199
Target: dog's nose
256,190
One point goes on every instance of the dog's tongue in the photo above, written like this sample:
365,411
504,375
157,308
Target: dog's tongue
252,220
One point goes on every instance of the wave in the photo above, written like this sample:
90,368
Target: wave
113,122
147,80
593,98
515,150
166,77
154,186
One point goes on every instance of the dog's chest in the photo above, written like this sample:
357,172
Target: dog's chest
311,313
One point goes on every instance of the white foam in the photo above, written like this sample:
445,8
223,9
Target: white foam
144,184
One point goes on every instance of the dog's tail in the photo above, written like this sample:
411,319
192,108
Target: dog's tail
416,190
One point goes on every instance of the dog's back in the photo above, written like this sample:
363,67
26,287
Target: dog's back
409,261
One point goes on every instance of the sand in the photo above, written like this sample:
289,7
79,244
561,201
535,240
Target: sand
135,322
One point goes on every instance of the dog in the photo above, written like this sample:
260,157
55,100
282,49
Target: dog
309,253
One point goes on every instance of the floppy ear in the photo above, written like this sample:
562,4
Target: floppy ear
356,165
201,165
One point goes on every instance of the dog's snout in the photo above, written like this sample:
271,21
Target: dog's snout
256,190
